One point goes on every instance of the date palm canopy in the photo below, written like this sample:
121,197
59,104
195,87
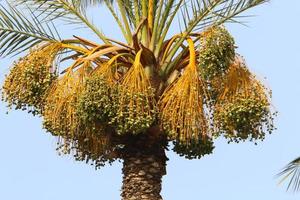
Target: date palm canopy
98,98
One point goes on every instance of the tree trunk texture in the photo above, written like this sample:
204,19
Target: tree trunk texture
143,169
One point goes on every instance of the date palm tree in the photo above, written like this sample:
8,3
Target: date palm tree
134,99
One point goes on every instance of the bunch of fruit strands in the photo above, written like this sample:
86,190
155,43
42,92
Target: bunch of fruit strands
30,77
98,101
181,105
96,104
238,80
90,141
195,149
89,147
136,110
62,120
216,52
109,70
61,100
242,109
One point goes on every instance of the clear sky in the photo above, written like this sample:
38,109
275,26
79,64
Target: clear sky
30,169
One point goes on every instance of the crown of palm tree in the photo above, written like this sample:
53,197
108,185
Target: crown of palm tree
191,87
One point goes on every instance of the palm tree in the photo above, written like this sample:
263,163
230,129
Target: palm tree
291,172
128,100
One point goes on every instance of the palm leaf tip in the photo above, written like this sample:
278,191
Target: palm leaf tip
291,174
19,33
72,11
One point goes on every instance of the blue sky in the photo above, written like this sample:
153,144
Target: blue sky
30,169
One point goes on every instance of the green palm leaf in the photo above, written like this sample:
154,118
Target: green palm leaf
19,33
197,15
291,172
72,11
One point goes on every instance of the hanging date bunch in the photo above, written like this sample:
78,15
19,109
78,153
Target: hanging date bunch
216,52
195,149
30,77
95,148
243,108
136,105
182,112
70,115
97,103
60,117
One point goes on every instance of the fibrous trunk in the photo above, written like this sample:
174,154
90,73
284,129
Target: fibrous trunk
143,168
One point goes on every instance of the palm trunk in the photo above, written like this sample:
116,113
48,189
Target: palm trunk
143,168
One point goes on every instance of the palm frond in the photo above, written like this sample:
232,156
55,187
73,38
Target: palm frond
117,19
200,14
126,16
130,9
73,11
291,173
197,15
19,33
84,4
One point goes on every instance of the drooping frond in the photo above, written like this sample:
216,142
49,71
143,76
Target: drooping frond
30,77
182,104
19,33
291,173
